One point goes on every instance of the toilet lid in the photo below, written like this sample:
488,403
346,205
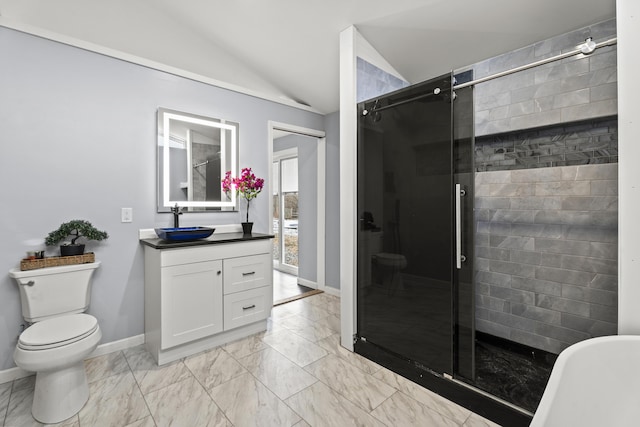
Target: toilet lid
57,332
391,260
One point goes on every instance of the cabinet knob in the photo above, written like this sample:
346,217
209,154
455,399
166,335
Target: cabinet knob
219,272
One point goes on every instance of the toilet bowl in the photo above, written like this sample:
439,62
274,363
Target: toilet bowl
55,346
389,266
56,350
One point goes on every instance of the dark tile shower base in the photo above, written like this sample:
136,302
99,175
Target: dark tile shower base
512,372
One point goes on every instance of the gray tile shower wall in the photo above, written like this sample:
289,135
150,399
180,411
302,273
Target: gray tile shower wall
546,254
373,81
573,89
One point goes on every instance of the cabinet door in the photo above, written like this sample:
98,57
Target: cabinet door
248,272
191,302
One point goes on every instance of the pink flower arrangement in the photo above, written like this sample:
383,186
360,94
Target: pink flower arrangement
246,185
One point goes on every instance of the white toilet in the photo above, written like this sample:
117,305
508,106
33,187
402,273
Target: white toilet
61,337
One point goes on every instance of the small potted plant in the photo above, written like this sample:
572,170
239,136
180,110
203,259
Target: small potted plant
74,229
247,186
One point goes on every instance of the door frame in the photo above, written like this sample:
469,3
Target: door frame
320,190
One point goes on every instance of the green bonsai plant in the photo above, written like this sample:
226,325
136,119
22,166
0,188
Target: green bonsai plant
74,229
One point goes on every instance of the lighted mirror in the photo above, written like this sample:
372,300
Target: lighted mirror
194,153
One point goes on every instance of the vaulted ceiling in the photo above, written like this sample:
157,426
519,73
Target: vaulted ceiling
289,49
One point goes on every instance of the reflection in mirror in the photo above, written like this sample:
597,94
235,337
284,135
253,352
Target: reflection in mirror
194,152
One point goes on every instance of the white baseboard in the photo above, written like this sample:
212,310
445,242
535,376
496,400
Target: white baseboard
114,346
332,291
106,348
307,283
13,374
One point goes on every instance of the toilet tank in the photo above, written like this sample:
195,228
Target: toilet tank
54,291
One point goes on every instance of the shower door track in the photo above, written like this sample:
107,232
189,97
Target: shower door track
490,396
587,51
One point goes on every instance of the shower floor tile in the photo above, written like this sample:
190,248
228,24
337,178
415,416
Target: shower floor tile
511,375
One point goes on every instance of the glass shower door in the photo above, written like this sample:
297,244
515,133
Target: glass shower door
406,234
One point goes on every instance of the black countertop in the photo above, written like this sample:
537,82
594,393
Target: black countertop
211,240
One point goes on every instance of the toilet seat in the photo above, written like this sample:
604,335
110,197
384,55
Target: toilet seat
391,260
57,332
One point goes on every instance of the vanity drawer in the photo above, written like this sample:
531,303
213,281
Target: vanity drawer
243,308
249,272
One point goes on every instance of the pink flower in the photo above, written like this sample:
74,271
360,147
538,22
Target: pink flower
246,185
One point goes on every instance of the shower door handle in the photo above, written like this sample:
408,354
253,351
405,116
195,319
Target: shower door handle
459,192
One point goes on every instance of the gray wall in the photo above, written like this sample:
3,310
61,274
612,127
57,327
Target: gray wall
573,89
307,200
78,133
546,242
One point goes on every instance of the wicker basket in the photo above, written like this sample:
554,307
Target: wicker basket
33,264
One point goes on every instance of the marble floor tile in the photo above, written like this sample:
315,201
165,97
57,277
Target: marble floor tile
145,422
426,397
332,345
114,401
272,378
247,402
101,367
476,420
295,320
18,412
354,384
294,347
5,393
279,374
307,309
24,383
333,307
323,299
296,306
184,403
401,410
313,312
272,327
306,328
283,311
331,322
149,375
213,367
246,346
320,406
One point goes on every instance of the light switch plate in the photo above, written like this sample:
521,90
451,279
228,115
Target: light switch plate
126,215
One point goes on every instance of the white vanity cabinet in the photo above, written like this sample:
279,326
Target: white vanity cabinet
201,296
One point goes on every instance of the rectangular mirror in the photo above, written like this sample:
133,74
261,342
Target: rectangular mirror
194,153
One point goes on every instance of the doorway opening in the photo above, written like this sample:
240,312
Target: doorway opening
297,210
285,207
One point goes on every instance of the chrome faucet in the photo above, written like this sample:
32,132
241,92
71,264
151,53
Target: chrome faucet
176,211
